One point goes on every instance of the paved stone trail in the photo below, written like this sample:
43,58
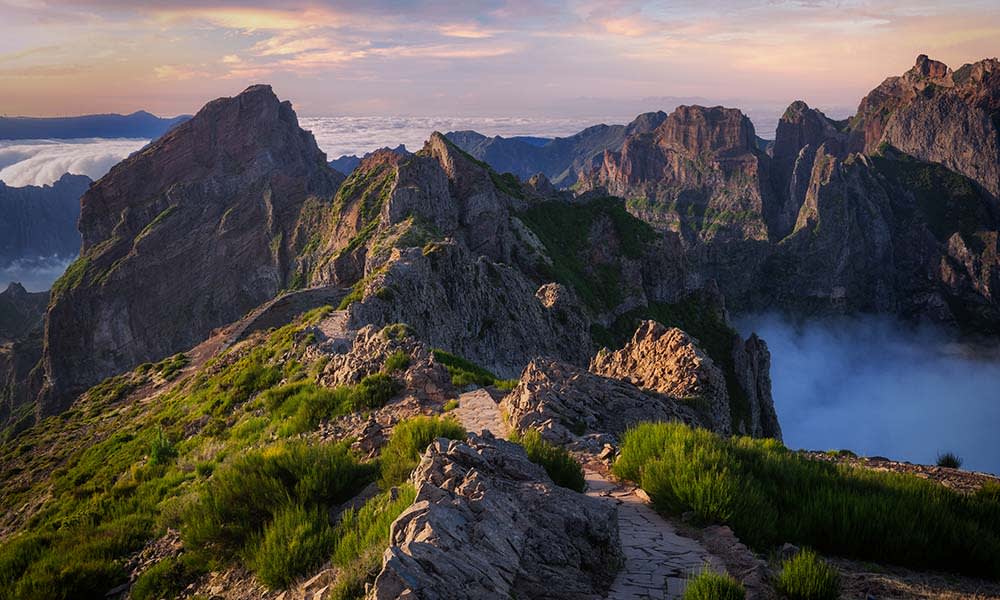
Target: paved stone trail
477,410
657,559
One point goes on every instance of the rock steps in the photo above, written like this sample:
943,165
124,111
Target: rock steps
657,559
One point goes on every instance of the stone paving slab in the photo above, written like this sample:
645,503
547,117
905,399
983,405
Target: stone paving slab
657,559
478,411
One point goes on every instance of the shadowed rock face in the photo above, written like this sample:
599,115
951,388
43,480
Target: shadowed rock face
184,236
21,314
40,221
488,523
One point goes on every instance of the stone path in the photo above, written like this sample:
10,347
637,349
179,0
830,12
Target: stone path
657,559
478,411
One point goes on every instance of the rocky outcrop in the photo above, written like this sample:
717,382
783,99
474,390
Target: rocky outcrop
40,221
488,523
564,402
938,115
486,312
562,160
186,235
800,134
668,361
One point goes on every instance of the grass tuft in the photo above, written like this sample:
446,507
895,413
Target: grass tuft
556,460
806,576
950,460
409,440
709,585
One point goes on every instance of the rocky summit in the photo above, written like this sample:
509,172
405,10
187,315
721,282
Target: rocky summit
265,379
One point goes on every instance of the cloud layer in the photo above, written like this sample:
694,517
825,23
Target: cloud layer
41,162
880,387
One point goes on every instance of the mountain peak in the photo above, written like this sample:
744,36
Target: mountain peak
932,69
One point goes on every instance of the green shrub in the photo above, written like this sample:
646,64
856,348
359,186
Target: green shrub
709,585
161,449
770,495
806,576
300,406
556,460
409,440
168,368
368,527
397,361
167,578
297,540
450,405
506,385
243,496
950,460
464,372
361,538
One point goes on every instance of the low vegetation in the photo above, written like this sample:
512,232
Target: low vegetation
556,460
361,538
806,576
709,585
771,495
409,440
464,372
950,460
300,406
565,229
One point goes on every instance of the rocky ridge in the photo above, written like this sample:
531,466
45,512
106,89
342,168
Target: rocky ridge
40,221
532,538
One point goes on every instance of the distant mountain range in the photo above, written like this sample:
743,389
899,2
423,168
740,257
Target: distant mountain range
139,124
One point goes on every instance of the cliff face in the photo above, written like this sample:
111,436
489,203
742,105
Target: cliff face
938,115
185,236
41,221
893,210
21,314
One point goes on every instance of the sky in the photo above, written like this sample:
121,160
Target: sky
473,57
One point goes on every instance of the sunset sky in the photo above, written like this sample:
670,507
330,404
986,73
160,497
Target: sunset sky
426,57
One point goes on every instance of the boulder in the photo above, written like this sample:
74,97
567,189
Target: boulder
488,523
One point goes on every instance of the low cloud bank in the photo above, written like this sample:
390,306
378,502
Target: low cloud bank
881,387
42,162
35,274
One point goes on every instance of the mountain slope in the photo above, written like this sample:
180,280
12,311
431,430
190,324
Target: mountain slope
182,237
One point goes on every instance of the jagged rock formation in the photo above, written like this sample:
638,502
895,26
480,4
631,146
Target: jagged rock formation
481,310
488,523
938,115
669,361
40,221
561,160
840,215
182,237
563,402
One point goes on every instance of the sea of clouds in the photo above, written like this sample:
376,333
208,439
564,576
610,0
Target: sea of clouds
41,162
881,387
